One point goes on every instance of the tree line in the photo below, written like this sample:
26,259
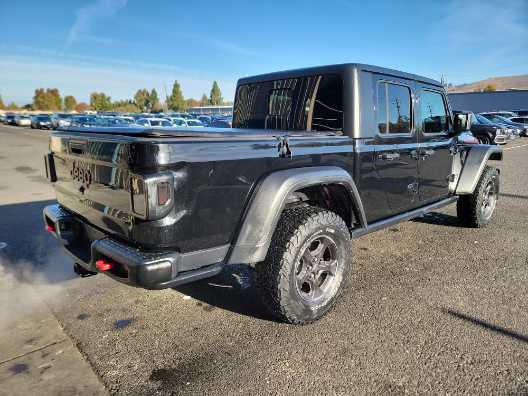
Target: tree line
49,99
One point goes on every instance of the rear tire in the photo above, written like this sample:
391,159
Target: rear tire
307,266
476,210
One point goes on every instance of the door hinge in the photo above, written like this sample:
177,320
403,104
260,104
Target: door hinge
283,147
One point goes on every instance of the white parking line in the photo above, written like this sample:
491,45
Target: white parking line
511,148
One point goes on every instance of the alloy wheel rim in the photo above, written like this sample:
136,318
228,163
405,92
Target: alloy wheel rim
316,269
489,200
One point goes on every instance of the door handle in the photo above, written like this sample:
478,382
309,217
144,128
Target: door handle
426,153
421,154
389,156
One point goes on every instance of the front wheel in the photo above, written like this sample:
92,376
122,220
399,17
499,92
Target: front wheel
484,139
476,210
307,266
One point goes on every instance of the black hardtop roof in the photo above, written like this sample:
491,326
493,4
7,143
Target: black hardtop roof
336,69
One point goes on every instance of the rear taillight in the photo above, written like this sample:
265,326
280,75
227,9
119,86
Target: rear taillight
50,228
153,195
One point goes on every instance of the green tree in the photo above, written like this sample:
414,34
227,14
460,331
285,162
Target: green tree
12,106
2,106
82,107
154,103
141,98
204,101
100,102
69,103
39,99
48,99
215,98
191,102
489,88
125,106
176,101
54,99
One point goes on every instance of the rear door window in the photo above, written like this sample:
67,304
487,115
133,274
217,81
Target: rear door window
393,108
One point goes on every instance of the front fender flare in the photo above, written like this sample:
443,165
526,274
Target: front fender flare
269,200
476,159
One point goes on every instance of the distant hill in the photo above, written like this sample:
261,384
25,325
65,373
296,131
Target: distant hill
500,83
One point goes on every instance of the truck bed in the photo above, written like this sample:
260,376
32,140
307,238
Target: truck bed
217,169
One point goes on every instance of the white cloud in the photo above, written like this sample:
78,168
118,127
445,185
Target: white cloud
87,16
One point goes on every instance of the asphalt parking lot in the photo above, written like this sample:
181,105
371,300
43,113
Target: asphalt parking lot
432,307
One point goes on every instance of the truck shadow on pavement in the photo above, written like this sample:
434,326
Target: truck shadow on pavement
29,252
439,219
231,290
486,325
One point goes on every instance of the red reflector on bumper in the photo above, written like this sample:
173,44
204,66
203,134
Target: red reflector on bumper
104,265
50,228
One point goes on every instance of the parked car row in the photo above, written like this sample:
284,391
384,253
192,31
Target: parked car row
488,128
159,120
15,119
498,127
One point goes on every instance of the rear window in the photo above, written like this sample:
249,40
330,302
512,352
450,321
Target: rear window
311,103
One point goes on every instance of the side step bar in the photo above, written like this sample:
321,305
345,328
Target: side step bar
378,225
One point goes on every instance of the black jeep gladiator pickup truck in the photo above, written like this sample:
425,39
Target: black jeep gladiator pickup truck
316,157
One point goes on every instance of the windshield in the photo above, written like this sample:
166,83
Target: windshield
311,103
502,119
493,118
483,120
194,123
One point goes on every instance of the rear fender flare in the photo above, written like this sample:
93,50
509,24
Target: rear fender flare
268,202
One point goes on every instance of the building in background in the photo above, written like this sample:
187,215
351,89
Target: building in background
211,110
478,102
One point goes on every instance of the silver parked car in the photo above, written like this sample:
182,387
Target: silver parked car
22,120
154,122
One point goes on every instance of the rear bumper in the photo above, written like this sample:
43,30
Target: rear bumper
149,270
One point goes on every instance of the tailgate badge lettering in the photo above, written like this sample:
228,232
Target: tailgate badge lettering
81,173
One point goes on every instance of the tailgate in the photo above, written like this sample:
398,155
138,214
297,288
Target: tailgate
92,179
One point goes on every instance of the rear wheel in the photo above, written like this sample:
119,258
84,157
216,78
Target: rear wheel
476,210
307,266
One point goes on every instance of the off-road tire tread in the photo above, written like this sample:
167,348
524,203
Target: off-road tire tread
288,237
468,206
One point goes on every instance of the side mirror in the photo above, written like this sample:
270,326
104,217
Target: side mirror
462,122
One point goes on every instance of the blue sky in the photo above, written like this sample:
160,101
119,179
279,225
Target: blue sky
119,46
